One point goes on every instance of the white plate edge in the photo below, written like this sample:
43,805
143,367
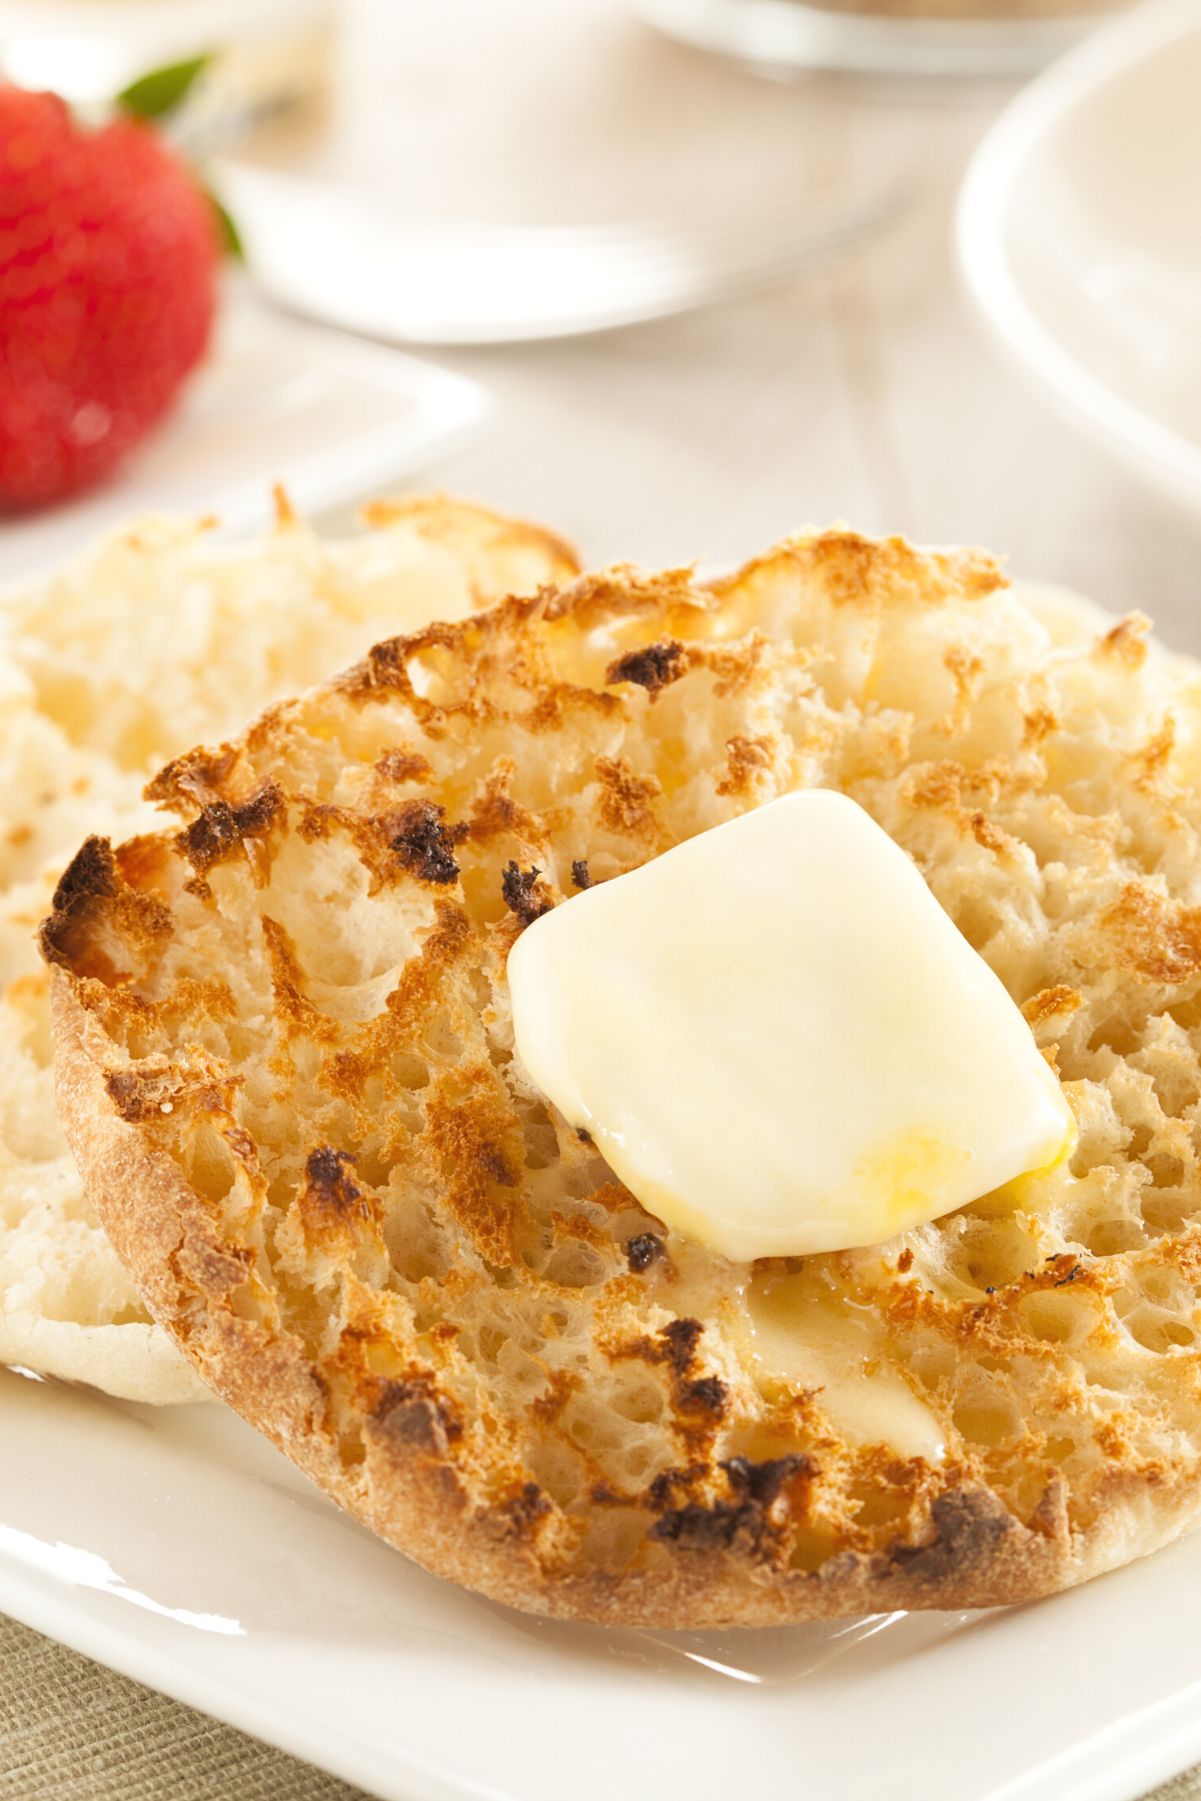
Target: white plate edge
1122,1764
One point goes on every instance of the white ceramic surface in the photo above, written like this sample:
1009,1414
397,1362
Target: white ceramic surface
1079,231
179,1548
326,415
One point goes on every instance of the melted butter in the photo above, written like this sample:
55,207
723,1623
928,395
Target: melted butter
805,1335
907,1171
778,1040
1036,1189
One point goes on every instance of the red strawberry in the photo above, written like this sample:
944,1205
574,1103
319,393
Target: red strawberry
108,260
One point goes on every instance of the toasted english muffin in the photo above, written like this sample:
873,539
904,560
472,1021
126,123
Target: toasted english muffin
285,1062
159,636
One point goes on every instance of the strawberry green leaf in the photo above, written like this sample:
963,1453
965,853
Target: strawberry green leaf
231,237
155,95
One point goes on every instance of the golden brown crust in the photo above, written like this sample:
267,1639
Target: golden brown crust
311,1148
976,1554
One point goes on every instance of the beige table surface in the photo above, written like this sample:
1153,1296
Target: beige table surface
864,391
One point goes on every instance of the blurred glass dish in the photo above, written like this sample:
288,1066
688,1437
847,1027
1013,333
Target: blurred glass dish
414,282
891,37
1080,236
498,173
269,58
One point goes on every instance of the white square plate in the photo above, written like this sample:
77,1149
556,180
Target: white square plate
329,416
178,1547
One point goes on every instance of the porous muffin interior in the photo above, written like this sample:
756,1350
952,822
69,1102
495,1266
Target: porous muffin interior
160,634
302,996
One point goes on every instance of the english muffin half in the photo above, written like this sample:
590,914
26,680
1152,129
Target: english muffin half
285,1063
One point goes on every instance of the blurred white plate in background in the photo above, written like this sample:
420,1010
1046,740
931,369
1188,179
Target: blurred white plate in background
1080,235
325,415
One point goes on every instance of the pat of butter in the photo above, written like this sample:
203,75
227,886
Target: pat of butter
779,1041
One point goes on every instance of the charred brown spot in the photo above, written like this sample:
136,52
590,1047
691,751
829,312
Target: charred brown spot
671,1486
579,873
744,1517
966,1532
764,1481
905,1261
698,1527
706,1395
522,1511
680,1339
221,829
651,668
520,890
330,1182
89,878
318,820
699,1399
643,1250
412,1412
675,1345
425,843
384,667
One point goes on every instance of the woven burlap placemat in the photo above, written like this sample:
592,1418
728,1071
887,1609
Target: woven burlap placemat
70,1730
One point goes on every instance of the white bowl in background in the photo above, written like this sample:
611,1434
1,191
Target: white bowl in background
1079,232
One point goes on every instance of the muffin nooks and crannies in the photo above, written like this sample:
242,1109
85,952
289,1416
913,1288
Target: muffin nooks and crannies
159,635
285,1061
